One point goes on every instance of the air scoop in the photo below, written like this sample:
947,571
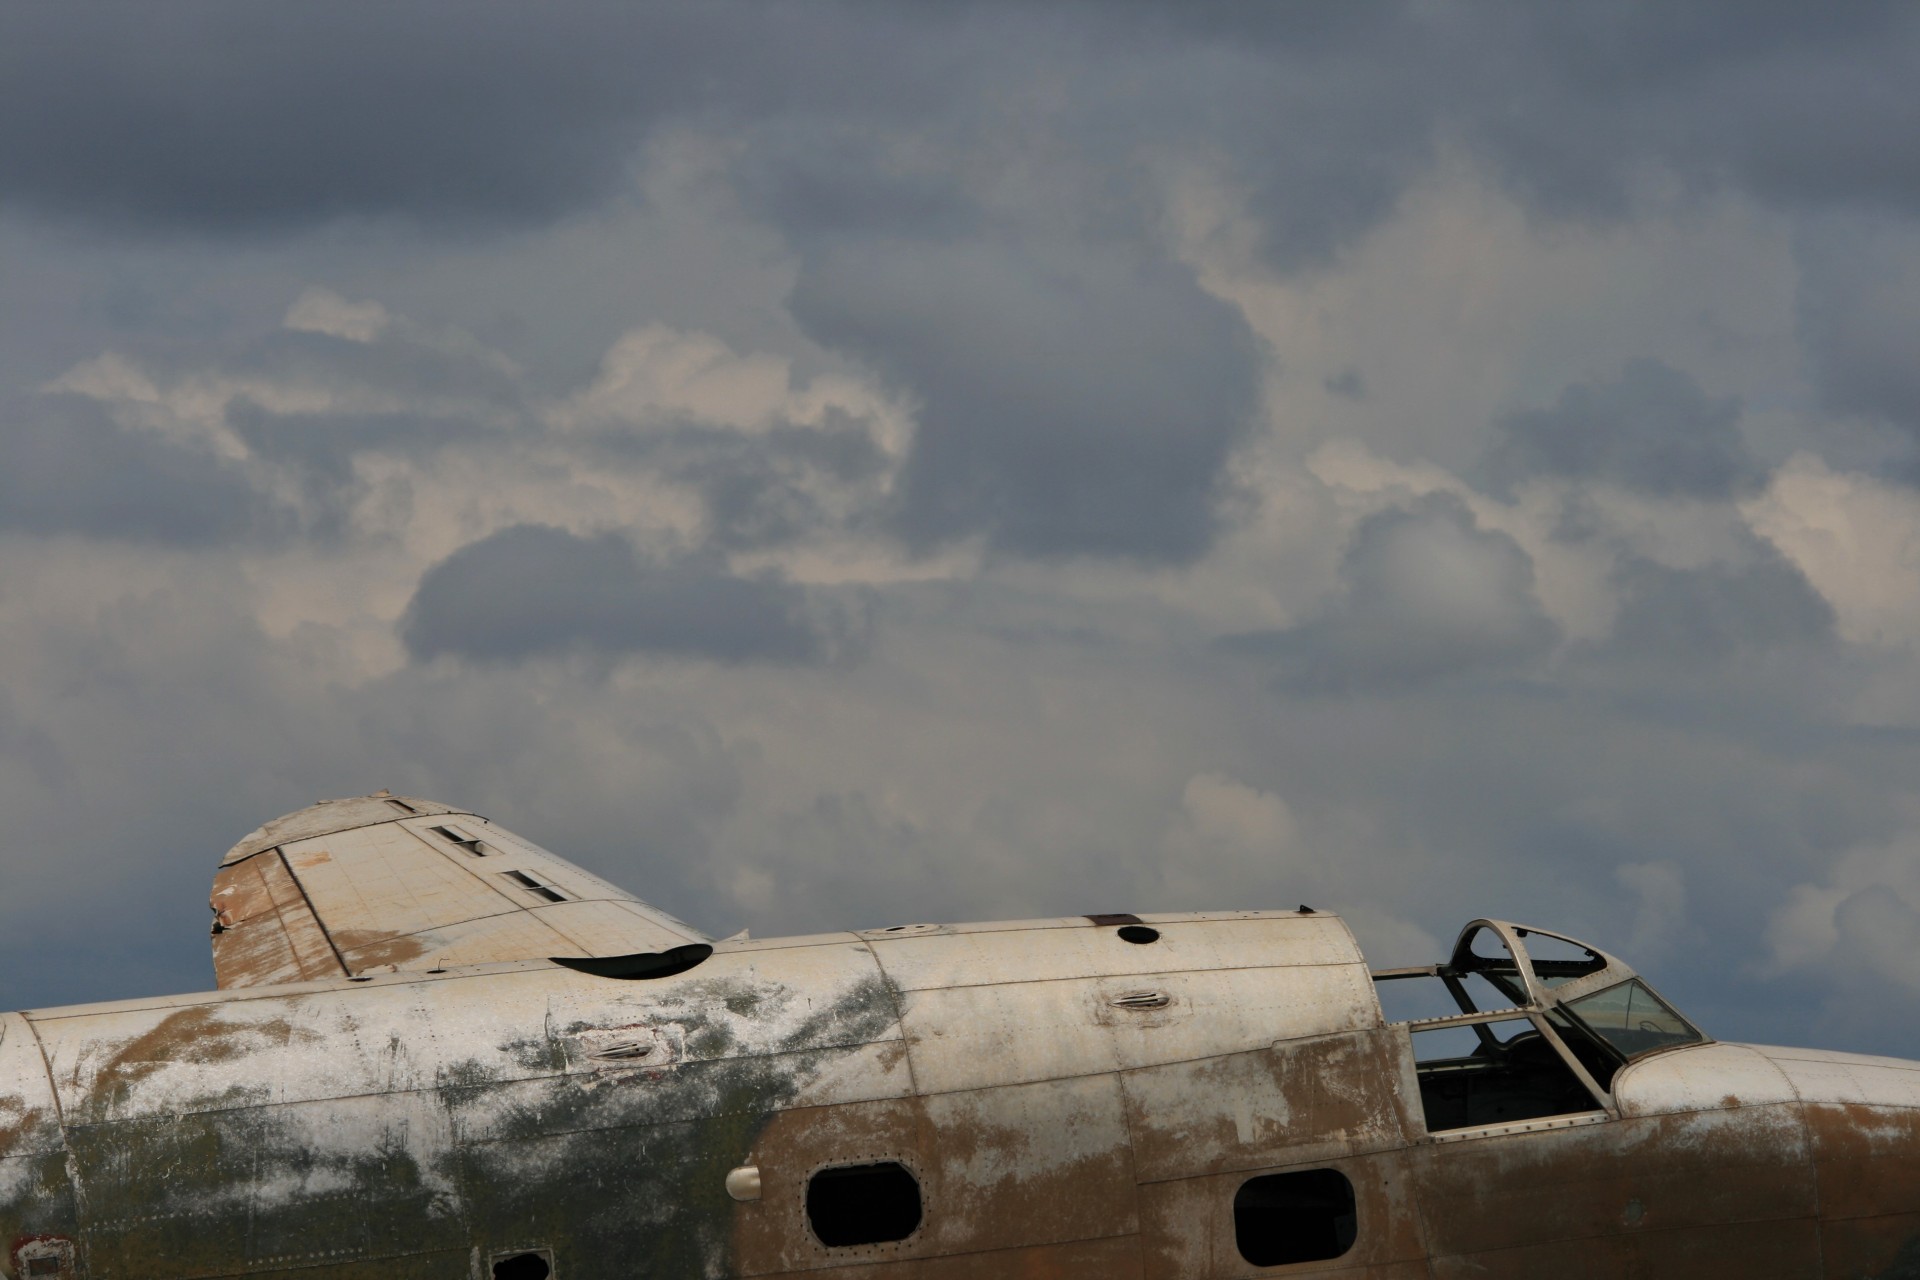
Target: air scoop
643,964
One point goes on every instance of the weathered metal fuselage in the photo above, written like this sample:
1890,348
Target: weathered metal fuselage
1072,1104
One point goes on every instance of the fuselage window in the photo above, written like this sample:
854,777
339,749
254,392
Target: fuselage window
1632,1019
1495,1072
1294,1217
863,1204
536,1264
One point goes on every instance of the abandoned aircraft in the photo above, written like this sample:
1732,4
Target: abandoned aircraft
439,1051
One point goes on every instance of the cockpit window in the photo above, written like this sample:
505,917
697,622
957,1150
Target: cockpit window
1632,1019
1557,960
1539,1025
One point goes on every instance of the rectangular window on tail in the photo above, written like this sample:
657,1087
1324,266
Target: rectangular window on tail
1491,1073
539,890
455,836
1294,1217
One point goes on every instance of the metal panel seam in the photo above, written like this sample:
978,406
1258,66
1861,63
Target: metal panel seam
66,1147
899,1019
1131,974
345,970
1799,1110
358,826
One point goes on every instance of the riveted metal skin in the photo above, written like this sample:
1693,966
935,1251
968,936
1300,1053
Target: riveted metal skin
1071,1105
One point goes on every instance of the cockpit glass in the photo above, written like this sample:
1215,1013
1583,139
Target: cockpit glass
1632,1019
1558,960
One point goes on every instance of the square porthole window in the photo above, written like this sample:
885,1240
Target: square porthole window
854,1204
1294,1217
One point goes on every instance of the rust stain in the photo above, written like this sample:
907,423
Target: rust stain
1032,1164
768,1234
17,1121
196,1034
1115,1258
264,931
369,948
1515,1196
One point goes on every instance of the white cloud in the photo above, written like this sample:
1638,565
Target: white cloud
1659,890
324,311
1223,815
657,375
1863,920
1856,538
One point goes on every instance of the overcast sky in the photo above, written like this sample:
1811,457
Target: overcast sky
835,465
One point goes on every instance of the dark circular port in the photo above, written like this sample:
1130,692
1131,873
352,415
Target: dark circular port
1139,933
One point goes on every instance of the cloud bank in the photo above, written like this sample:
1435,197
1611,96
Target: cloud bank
840,464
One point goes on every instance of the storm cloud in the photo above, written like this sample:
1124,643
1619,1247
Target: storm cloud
837,464
1650,427
67,468
531,589
1069,406
1427,594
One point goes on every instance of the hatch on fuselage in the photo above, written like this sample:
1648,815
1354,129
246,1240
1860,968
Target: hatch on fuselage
1523,1025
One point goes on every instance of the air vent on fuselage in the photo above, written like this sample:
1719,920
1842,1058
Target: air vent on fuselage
641,965
533,886
455,836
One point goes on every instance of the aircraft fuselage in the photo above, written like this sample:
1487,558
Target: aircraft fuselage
1063,1102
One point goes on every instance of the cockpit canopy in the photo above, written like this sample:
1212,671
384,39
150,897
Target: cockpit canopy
1521,1023
1532,968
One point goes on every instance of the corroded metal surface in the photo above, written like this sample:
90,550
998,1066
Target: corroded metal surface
385,882
1068,1103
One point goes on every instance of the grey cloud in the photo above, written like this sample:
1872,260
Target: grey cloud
398,362
765,488
1857,312
972,197
321,447
1802,106
201,116
204,118
1428,595
1690,619
1650,427
1349,385
314,453
532,589
816,177
1071,403
66,467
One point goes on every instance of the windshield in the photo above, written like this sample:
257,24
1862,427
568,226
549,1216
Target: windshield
1632,1019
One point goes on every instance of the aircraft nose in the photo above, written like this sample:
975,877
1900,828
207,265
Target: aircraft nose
1862,1117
